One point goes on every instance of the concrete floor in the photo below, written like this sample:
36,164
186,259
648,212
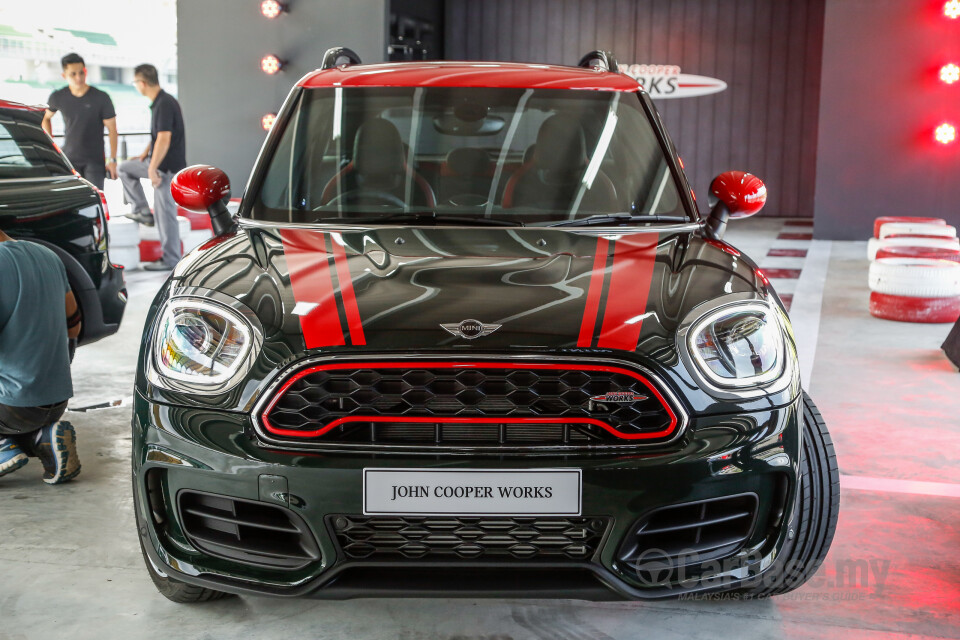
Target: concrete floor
70,566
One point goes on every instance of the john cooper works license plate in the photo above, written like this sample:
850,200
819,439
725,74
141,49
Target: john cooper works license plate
428,492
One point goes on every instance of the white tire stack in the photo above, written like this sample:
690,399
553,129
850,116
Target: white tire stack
903,231
124,249
915,271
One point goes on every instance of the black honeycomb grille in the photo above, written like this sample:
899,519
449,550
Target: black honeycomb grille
495,539
499,405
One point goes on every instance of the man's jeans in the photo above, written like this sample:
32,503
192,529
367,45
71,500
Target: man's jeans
164,207
19,421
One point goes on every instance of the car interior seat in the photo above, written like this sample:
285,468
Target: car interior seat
378,170
465,176
552,178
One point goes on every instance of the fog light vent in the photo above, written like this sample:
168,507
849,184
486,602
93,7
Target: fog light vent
691,533
247,531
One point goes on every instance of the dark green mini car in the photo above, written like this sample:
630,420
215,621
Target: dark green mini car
468,336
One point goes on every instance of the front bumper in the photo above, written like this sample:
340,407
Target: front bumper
185,449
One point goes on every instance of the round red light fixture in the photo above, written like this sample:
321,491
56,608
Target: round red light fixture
949,73
270,64
267,121
271,8
952,9
945,133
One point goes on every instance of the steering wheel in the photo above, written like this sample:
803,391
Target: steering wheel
368,197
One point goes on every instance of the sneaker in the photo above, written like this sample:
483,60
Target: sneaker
57,450
143,218
11,456
159,265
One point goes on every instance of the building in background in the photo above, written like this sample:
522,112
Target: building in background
112,37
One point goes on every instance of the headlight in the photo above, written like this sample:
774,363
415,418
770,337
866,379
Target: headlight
201,343
739,345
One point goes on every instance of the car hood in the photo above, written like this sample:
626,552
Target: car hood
410,289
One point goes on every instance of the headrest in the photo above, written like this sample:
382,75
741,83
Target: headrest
528,154
378,149
560,145
467,161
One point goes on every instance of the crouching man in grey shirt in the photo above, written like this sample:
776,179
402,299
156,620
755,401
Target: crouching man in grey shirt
38,314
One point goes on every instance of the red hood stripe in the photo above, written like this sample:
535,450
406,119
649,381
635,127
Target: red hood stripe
594,290
346,292
309,265
633,259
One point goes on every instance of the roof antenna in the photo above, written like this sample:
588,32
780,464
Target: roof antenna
600,60
334,54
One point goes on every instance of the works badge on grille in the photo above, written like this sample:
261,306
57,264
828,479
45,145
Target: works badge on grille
616,397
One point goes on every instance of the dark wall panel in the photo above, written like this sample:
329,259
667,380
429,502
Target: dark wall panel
768,52
881,102
221,88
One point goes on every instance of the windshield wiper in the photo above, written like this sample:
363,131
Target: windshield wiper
430,217
616,218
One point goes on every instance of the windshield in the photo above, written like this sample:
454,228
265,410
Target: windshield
522,156
26,151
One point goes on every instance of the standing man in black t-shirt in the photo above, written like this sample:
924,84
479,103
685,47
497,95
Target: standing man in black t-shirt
164,156
86,111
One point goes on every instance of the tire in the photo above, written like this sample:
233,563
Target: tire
151,250
874,244
177,591
171,588
127,257
933,253
882,220
915,277
814,519
123,233
910,309
917,229
153,233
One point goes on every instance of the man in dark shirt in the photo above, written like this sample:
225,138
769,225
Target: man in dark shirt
38,314
164,156
86,111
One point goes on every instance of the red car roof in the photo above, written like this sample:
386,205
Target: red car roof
6,104
469,74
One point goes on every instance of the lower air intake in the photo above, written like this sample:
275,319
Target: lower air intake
494,539
691,533
246,531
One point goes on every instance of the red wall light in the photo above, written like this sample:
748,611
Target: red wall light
267,121
945,133
272,8
952,9
949,73
270,64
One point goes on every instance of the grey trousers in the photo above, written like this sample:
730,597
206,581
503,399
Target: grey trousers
164,207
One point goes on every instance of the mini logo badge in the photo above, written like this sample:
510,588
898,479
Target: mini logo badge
470,329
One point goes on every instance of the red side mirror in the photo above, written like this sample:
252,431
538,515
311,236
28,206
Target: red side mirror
205,188
200,187
744,194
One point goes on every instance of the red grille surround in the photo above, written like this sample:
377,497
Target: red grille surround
358,366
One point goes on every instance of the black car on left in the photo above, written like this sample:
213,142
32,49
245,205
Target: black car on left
44,200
